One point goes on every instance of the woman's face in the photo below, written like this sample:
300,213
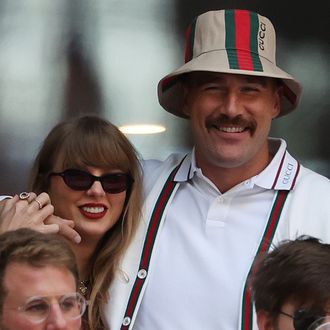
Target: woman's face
93,211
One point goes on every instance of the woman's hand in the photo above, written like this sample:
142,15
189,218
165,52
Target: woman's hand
35,212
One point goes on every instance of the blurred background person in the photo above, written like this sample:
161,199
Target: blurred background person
291,286
38,283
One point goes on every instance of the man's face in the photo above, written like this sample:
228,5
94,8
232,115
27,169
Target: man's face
231,117
22,281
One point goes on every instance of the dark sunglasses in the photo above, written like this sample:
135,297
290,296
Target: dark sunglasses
112,183
303,319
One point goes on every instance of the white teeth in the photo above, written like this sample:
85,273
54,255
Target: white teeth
93,209
231,129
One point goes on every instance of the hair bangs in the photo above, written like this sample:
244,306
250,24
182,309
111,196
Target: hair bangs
95,148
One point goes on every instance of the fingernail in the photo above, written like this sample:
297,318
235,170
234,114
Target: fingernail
77,239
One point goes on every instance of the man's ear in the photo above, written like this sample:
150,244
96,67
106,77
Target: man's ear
277,104
265,321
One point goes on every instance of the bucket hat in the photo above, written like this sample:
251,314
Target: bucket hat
229,41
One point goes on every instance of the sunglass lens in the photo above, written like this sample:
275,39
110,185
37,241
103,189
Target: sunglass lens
77,180
115,183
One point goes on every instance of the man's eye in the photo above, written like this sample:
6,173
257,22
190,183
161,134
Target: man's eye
250,89
37,307
68,304
210,87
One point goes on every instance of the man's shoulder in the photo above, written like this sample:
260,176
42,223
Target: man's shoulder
308,208
313,180
154,169
153,165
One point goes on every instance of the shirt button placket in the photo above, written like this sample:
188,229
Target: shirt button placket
142,274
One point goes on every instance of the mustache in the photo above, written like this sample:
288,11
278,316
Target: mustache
224,120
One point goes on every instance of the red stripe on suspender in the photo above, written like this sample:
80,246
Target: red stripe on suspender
154,225
273,220
149,241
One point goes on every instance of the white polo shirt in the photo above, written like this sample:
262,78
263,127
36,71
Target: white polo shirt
205,250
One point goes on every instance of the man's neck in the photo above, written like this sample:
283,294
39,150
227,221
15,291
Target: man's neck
226,178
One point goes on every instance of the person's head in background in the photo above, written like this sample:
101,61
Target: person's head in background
291,286
38,283
106,210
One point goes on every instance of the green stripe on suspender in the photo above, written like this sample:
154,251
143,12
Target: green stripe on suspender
267,238
152,233
150,240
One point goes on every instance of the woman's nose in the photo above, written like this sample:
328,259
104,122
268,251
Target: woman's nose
96,189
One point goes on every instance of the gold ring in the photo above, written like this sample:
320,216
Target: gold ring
39,203
24,195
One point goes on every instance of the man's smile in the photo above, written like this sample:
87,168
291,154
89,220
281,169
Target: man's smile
231,125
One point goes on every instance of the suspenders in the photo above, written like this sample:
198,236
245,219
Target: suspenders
247,305
154,223
156,218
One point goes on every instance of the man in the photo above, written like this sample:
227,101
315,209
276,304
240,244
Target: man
291,286
38,283
207,215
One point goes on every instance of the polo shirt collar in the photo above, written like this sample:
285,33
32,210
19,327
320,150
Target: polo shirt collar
282,171
280,174
187,168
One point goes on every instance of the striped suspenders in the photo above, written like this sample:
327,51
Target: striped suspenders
156,217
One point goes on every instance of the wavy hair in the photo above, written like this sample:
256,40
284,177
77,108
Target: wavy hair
93,141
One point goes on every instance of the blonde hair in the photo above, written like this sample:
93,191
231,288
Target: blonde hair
93,141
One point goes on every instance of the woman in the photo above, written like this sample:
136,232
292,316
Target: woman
91,174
